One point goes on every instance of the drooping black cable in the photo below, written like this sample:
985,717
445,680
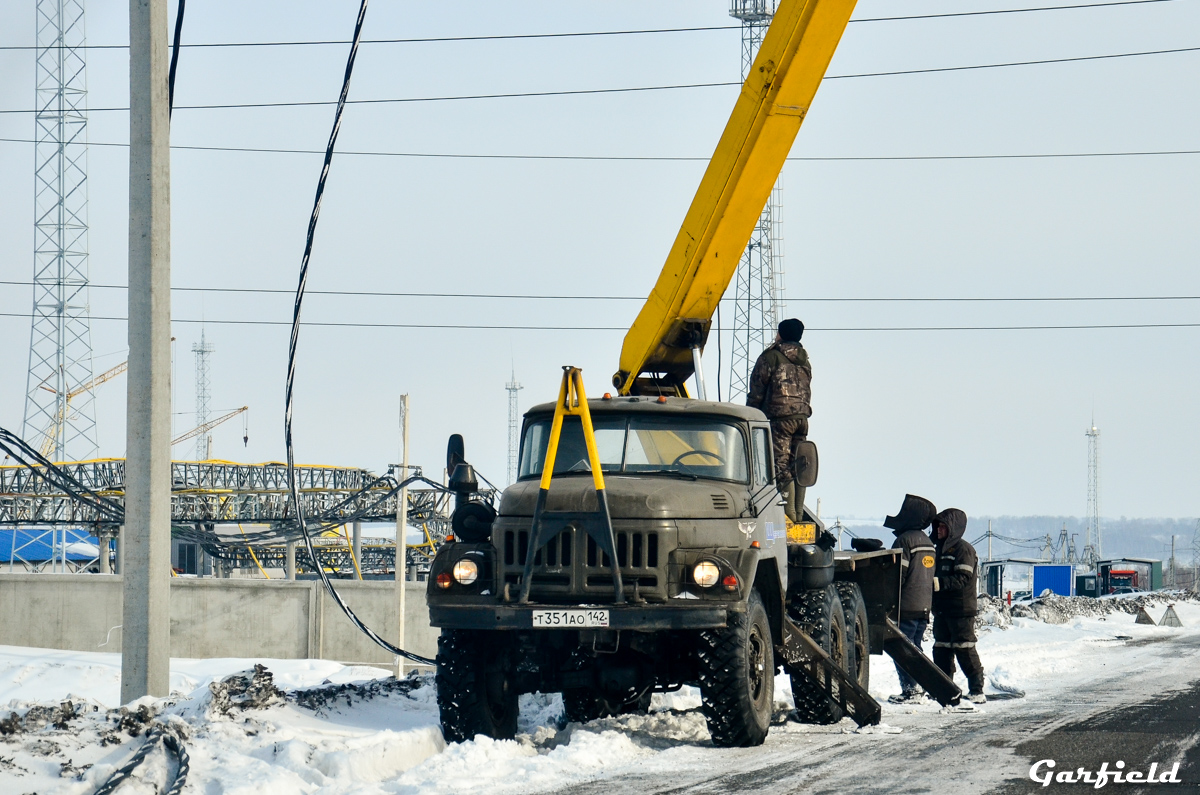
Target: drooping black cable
289,397
174,59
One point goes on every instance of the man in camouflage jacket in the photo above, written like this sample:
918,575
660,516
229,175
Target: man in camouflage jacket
954,601
781,387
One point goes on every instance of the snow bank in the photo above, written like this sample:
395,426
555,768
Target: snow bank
309,726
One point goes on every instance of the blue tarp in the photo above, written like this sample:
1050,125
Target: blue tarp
1060,579
34,546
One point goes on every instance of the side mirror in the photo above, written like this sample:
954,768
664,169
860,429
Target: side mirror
804,464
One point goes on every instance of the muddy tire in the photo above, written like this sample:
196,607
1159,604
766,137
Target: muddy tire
819,613
858,637
737,677
473,692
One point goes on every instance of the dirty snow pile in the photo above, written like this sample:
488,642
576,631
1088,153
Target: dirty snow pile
311,726
1056,609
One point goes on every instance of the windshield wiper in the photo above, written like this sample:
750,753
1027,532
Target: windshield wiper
676,472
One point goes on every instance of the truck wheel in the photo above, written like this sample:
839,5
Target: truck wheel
737,677
858,637
819,613
473,697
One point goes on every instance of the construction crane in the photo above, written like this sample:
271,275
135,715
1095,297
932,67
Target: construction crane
662,349
55,428
208,426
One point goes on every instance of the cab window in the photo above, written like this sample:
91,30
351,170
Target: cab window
762,456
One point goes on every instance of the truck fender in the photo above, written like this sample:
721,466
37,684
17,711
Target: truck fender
766,581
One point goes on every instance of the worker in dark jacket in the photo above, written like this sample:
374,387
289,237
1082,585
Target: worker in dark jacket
917,558
954,601
781,387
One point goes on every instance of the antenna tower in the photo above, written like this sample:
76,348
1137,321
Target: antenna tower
513,442
204,441
758,295
60,346
1095,548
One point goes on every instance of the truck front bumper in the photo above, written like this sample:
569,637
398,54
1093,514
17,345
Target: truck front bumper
644,618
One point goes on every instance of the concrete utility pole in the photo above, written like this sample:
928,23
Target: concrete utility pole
402,531
146,619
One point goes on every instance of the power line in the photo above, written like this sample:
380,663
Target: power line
1013,63
652,158
637,89
486,327
599,33
530,296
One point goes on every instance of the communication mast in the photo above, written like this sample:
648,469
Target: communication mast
1095,548
204,439
60,346
758,292
513,426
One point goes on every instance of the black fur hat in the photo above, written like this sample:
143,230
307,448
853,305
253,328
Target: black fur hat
915,514
791,330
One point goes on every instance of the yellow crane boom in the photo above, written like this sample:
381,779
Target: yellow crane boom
657,356
60,416
208,426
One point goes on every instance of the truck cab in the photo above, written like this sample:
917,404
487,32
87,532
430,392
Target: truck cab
708,576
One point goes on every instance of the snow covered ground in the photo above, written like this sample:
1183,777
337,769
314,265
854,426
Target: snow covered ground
338,729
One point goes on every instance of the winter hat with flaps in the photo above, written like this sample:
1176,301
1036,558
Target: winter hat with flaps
915,514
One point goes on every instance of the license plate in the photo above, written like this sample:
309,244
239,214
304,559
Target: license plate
569,619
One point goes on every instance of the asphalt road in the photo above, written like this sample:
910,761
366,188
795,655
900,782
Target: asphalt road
1142,713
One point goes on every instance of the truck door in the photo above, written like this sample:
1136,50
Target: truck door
764,491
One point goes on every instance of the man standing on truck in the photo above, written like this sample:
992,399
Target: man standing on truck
954,601
781,387
917,559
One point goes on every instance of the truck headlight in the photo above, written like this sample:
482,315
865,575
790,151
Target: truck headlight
706,574
466,572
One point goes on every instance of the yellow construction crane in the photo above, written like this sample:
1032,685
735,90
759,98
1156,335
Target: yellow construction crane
662,348
208,426
55,426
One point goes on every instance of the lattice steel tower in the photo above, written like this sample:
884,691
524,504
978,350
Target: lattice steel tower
513,426
60,346
204,441
758,294
1094,541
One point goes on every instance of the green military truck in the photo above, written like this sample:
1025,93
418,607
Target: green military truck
671,567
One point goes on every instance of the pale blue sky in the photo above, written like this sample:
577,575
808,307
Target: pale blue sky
990,421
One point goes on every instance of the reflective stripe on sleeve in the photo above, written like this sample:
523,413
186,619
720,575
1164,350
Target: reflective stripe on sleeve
964,567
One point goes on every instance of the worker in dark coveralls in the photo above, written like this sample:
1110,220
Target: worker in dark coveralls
954,601
781,387
917,560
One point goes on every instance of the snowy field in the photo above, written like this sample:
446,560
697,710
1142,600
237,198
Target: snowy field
336,729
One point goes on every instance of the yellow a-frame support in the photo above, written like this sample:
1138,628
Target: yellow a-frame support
572,402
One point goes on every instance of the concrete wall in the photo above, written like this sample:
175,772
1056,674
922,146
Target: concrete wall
217,617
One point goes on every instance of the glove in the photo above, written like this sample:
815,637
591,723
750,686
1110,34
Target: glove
936,585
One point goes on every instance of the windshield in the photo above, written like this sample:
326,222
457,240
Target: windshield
704,448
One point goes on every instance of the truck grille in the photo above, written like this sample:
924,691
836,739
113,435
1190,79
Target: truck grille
571,565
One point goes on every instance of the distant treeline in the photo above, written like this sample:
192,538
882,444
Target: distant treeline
1138,538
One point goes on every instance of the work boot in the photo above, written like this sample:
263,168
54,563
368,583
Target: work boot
788,489
913,696
977,698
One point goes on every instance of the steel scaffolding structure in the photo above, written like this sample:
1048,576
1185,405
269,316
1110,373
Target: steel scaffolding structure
514,417
211,498
1094,550
758,291
60,346
219,492
204,440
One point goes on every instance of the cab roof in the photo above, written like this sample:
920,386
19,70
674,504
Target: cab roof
672,406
